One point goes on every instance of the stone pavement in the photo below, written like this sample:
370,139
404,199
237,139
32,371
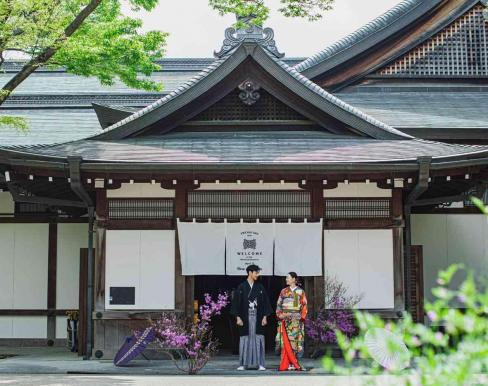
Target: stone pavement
197,380
58,360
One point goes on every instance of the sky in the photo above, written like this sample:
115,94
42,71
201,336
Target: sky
197,31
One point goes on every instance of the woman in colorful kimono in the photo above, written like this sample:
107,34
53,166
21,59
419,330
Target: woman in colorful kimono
291,311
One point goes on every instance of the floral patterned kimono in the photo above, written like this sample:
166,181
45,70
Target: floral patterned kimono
291,311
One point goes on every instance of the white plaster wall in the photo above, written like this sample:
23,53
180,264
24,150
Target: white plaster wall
363,261
32,327
23,259
357,189
23,278
140,190
122,265
7,254
157,269
29,327
144,260
71,238
61,327
450,238
30,266
6,327
7,205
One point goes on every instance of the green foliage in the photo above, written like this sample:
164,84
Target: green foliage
107,45
17,123
242,8
455,356
479,203
308,9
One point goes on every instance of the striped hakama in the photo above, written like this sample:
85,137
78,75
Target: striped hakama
251,347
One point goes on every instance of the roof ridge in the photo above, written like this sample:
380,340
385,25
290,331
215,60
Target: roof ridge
375,25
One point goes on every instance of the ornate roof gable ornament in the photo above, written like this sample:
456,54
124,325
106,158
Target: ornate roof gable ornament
252,33
249,92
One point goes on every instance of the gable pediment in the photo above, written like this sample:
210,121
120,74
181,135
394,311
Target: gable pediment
398,37
250,84
460,49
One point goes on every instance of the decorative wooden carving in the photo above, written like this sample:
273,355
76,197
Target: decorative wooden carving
249,92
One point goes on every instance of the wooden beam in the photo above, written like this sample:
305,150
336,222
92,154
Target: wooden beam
164,224
370,223
31,312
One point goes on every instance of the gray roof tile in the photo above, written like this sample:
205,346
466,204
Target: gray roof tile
303,147
365,31
422,109
51,126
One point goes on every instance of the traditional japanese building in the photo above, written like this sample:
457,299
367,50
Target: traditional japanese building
377,140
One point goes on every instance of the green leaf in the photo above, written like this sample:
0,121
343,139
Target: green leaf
479,204
17,123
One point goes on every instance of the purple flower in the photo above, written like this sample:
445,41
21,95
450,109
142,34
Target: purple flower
432,316
195,339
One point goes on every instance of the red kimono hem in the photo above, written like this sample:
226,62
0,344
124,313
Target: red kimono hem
287,355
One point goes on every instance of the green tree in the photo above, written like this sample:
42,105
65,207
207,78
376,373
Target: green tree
94,38
309,9
87,37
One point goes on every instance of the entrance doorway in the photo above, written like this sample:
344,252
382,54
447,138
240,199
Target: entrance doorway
224,326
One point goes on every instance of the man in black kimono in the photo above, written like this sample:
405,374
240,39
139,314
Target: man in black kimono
251,306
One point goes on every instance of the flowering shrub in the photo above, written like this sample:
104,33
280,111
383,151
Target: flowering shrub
190,345
457,355
335,315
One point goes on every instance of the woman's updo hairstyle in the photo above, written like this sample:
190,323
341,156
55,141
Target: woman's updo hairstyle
295,276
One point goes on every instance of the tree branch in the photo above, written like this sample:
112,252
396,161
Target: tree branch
48,52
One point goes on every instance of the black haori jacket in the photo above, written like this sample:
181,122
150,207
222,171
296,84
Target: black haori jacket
240,305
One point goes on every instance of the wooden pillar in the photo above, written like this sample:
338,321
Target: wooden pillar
52,263
184,285
99,266
398,248
101,214
316,286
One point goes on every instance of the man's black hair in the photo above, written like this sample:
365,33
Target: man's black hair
252,268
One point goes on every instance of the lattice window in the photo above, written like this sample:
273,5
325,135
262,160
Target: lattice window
249,204
28,208
265,108
460,50
357,208
140,208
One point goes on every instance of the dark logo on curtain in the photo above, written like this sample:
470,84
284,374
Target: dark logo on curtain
249,244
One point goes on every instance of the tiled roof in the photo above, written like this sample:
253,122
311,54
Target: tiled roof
51,126
401,14
311,86
239,148
424,109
